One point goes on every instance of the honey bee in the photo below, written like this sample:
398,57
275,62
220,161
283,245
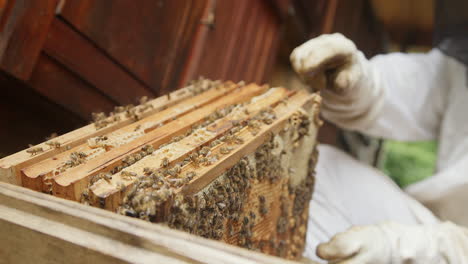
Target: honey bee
35,151
205,151
190,175
143,100
119,109
127,175
177,169
147,171
98,116
121,186
137,156
165,162
53,144
225,150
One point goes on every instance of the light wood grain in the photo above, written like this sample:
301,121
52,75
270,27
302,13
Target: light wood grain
10,166
39,228
110,192
71,184
33,176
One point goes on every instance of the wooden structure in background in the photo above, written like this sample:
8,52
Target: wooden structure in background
88,56
408,23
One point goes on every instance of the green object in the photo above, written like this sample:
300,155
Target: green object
407,163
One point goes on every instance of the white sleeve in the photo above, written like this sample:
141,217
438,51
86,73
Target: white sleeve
415,88
437,243
394,243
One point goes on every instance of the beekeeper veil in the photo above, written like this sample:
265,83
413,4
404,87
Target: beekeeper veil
451,28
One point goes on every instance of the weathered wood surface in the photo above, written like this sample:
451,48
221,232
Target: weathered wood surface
39,228
10,166
150,39
80,56
22,33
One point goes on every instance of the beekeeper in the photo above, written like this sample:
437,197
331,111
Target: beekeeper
358,214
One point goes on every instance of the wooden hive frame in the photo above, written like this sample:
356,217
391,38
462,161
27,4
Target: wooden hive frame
233,163
40,228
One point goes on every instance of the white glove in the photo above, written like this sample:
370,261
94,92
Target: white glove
333,65
392,243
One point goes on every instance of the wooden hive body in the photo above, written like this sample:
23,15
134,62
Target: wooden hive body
225,161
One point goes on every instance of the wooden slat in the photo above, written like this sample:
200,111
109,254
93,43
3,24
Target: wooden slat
108,192
71,183
23,35
10,166
36,226
33,176
244,36
80,56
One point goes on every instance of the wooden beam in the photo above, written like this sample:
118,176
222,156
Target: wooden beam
34,176
71,184
10,166
36,226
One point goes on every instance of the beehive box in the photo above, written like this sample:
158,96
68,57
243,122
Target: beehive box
224,161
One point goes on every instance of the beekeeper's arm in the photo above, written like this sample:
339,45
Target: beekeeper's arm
391,243
397,96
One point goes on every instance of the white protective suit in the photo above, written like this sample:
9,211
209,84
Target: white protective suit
406,97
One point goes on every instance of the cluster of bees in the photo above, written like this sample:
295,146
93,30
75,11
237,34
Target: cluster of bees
268,165
301,122
218,212
76,158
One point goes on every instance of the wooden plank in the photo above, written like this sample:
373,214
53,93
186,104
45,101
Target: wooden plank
23,36
36,227
80,56
10,166
199,41
108,193
153,45
71,184
243,38
219,52
33,177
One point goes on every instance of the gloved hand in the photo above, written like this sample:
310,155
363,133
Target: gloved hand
392,243
333,65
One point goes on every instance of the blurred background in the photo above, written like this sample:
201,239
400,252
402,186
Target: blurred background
61,60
